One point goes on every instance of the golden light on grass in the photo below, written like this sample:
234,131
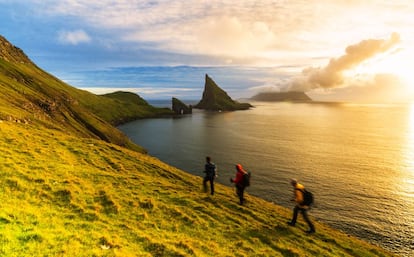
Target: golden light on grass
68,198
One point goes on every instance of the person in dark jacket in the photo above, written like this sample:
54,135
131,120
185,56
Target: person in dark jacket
238,181
210,171
300,207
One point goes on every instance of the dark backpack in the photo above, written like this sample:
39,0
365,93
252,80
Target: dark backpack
307,197
246,179
210,169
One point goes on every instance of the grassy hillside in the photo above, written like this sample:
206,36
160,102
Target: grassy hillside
73,185
30,95
65,196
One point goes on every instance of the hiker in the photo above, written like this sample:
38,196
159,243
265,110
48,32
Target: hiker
238,181
298,192
211,173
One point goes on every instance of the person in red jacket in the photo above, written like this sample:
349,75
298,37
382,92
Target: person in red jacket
238,181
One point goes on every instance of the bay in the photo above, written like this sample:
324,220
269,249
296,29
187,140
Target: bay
357,159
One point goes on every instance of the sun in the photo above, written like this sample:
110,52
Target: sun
399,63
402,65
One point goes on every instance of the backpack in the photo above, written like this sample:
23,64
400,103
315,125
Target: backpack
246,179
307,197
210,169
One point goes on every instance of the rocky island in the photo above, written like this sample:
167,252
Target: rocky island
179,107
216,99
292,96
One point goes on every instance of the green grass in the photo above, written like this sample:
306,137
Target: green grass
69,196
71,184
30,95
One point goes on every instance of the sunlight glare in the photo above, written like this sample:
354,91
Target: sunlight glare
399,62
409,154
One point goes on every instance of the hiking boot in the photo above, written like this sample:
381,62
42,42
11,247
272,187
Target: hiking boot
311,231
290,223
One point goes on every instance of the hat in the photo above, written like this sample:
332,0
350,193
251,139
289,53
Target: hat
239,167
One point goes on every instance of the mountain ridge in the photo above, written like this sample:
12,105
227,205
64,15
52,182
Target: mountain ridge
11,53
29,94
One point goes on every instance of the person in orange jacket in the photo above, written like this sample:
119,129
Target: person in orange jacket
238,181
300,207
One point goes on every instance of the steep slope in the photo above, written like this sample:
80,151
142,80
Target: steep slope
67,196
67,192
216,99
28,94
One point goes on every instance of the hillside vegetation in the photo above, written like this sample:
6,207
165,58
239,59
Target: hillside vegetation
66,196
73,185
30,95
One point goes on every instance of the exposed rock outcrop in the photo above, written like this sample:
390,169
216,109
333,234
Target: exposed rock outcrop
179,107
293,96
11,53
216,99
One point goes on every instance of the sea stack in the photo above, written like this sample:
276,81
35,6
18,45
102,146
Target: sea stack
179,107
216,99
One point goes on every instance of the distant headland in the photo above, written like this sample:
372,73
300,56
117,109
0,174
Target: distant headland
293,96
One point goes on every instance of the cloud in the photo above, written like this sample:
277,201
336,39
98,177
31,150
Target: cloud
232,29
338,81
245,32
73,37
380,88
332,75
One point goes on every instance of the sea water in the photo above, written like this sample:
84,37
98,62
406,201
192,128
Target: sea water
358,160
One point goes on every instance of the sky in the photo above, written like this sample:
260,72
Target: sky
334,50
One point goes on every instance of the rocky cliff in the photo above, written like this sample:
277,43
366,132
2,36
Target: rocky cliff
216,99
179,107
11,53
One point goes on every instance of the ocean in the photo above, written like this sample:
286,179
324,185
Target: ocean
357,159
